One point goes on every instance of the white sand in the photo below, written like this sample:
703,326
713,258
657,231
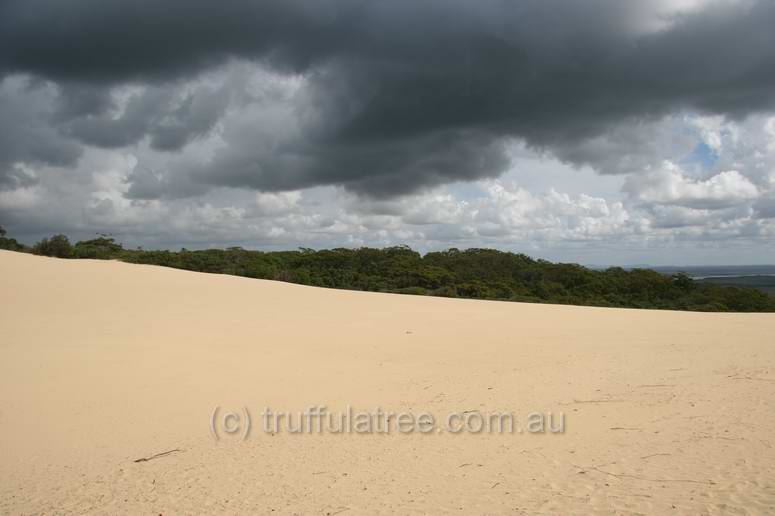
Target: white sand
102,363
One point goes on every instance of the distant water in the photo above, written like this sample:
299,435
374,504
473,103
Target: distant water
728,276
720,271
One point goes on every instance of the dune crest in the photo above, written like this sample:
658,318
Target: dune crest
110,374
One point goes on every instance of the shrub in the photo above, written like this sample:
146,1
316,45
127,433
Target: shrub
57,246
10,244
102,248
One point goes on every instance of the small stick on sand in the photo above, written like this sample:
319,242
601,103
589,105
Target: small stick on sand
655,385
162,454
655,455
637,477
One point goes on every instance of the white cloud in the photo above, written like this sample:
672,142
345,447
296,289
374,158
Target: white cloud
273,204
669,185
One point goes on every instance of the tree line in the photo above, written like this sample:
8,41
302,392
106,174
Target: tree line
470,273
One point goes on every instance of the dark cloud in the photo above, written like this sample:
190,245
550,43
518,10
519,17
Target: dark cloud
12,178
401,94
765,208
114,41
381,168
103,129
145,184
160,113
25,136
80,99
192,117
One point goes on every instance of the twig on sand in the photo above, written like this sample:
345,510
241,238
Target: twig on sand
156,456
655,455
637,477
594,401
648,385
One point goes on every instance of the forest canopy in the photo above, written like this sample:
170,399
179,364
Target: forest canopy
470,273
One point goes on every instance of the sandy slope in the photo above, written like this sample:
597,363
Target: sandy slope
103,363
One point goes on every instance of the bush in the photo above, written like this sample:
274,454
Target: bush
102,248
9,244
57,246
413,291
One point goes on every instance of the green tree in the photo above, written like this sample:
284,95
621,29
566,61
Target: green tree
9,244
102,248
57,246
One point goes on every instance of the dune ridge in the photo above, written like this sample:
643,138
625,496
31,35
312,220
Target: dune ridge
105,363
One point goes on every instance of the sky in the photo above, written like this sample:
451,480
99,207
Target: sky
600,132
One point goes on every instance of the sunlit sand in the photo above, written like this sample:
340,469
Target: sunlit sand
110,372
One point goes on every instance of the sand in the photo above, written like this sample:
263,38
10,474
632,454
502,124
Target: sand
105,363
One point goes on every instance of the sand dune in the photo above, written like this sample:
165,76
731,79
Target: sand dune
105,363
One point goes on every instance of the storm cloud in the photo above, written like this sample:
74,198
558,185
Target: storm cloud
398,95
430,122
